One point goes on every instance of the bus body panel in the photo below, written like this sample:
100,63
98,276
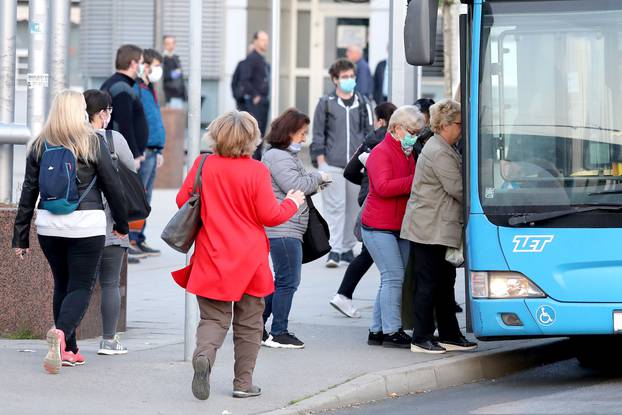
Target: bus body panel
569,265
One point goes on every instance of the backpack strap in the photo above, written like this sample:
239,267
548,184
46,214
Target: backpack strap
88,189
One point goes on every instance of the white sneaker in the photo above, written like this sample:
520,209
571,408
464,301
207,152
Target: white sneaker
344,306
111,347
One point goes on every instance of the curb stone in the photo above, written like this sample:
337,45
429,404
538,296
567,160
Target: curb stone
439,374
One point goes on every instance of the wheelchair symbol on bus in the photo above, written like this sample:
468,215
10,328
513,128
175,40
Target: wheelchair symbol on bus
545,315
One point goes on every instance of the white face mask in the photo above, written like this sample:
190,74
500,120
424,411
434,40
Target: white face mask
156,74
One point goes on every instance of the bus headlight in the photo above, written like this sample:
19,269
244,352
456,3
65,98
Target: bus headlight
501,284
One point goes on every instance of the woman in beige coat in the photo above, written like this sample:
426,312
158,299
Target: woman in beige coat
433,222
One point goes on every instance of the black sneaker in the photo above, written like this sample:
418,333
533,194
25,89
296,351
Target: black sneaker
132,260
284,341
375,339
148,250
264,337
458,309
457,345
399,340
427,346
347,257
134,251
333,260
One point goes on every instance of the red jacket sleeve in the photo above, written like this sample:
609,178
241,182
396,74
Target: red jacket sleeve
380,172
269,211
186,188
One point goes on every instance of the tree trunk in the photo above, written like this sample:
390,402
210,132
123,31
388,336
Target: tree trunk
451,46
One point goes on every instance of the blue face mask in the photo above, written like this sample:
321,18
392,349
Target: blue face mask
347,85
408,141
295,147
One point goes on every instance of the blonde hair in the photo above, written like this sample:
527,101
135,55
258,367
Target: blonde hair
66,126
408,116
443,114
234,134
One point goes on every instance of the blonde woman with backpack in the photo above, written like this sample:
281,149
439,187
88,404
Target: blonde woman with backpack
68,167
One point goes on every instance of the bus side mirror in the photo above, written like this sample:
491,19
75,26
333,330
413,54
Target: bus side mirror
420,32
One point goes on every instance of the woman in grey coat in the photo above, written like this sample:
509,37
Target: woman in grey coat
286,136
99,108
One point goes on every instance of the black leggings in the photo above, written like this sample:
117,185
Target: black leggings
355,272
74,264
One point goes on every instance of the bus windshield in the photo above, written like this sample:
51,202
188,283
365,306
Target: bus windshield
550,105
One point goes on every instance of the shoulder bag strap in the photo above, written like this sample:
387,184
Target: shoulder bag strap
110,142
197,179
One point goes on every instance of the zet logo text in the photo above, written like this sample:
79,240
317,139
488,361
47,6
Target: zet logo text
531,243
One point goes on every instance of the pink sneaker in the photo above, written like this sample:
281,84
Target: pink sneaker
56,342
72,359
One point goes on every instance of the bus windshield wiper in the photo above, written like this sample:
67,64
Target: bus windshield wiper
606,192
526,218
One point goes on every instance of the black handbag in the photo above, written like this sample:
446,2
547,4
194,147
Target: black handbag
133,189
315,239
181,231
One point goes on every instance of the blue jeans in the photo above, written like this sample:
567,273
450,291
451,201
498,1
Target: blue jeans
286,254
147,173
390,253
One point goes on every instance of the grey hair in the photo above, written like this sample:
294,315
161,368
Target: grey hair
444,113
409,117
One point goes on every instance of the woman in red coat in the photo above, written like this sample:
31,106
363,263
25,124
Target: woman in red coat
229,271
391,167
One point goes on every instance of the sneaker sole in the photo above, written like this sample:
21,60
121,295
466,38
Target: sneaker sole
336,307
200,381
68,363
52,361
152,255
241,395
332,264
417,349
454,348
374,343
274,345
106,352
389,345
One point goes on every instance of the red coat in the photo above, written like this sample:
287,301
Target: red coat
231,250
390,179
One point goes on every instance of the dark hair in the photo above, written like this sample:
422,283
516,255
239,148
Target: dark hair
125,55
384,111
424,105
96,101
149,55
340,65
256,34
284,126
167,37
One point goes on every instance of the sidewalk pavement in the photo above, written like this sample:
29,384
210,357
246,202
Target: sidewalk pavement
153,378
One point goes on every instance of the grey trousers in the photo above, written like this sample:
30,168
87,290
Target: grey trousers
340,209
216,318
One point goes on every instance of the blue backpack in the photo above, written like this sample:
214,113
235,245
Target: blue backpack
58,181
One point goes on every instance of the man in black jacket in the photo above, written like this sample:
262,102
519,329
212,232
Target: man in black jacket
173,83
128,115
255,80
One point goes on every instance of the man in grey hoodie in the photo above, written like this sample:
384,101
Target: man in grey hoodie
342,120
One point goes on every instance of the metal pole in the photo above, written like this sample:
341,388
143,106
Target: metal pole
59,45
276,58
194,135
8,20
37,78
403,80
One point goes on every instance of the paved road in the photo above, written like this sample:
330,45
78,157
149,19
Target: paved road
562,388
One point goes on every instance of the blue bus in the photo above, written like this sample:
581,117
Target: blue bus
541,92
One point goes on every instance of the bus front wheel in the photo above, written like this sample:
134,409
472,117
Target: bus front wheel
598,352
